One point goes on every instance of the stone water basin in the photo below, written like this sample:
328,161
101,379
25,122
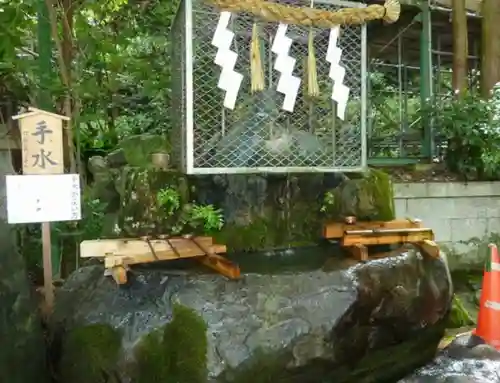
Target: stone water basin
290,322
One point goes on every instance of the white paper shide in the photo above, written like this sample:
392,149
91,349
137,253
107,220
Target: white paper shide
288,84
229,80
43,198
340,93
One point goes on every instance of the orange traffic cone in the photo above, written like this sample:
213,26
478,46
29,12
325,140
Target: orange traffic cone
488,321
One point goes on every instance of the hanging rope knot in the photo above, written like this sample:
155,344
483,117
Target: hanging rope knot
392,11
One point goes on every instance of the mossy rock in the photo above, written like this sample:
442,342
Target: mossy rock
138,149
22,346
266,213
254,236
309,325
103,185
90,354
140,213
368,198
175,354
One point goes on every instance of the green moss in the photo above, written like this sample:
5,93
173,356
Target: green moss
262,234
90,354
246,238
139,148
175,354
300,227
369,197
383,194
305,223
139,212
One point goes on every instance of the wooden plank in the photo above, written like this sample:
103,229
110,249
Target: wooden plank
123,246
222,265
119,274
428,247
34,111
337,229
387,239
187,251
358,252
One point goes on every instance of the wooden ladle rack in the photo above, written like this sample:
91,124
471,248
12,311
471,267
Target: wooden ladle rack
356,237
120,254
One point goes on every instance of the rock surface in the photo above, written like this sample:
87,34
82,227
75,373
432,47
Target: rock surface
367,323
21,339
466,359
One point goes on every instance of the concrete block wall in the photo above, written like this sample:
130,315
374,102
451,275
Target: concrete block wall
455,211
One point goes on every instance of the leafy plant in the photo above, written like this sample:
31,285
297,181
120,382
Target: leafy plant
169,199
192,216
471,127
328,201
206,216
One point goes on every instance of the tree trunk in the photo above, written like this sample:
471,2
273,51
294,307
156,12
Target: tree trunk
490,48
460,47
67,53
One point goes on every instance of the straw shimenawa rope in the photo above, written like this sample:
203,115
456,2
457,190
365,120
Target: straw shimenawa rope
312,73
273,12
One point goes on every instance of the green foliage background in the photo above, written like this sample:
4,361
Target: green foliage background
120,71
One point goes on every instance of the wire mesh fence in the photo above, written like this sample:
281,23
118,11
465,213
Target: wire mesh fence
258,135
394,111
394,119
398,124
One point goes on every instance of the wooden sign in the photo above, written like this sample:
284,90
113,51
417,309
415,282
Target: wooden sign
42,141
42,148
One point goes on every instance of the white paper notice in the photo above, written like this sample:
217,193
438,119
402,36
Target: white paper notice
290,88
235,80
288,84
43,198
336,56
281,43
229,79
224,45
341,96
332,43
222,24
340,92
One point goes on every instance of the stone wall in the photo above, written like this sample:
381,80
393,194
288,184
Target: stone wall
464,217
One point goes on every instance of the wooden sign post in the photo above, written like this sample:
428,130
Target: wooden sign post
42,149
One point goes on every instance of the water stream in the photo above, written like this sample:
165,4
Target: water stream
446,369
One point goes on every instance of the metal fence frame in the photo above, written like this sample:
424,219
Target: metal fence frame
432,71
187,160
